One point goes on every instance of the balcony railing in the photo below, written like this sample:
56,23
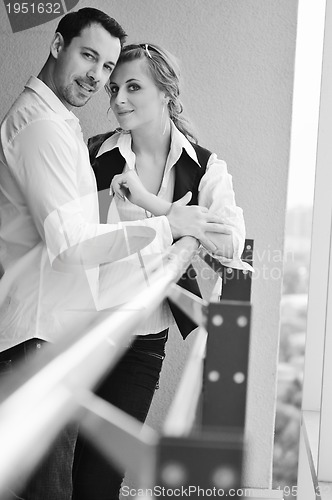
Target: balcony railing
202,439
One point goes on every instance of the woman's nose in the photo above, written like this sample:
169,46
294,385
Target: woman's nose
121,96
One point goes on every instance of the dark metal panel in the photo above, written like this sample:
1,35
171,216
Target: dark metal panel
206,464
226,364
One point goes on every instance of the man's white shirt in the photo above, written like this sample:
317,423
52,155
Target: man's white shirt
51,241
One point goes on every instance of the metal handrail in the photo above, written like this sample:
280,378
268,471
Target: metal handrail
181,415
47,394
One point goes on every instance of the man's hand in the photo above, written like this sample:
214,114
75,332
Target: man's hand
195,221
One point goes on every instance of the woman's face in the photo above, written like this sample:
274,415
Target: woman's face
135,99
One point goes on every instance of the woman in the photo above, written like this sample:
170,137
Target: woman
152,161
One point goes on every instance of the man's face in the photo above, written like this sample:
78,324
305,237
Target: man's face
84,66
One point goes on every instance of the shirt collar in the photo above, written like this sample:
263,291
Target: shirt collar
122,140
179,142
50,98
113,142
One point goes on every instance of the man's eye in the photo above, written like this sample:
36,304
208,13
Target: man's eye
109,68
88,55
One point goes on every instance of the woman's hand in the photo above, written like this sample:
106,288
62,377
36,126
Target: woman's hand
128,185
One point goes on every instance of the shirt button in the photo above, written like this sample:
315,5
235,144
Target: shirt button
38,345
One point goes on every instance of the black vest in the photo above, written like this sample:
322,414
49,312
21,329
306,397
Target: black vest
187,178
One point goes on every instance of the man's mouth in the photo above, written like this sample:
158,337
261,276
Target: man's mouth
87,88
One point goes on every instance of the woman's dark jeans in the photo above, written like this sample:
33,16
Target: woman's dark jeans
130,387
53,478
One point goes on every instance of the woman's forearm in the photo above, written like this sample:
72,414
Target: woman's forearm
155,205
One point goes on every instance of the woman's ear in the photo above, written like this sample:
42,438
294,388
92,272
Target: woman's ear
57,45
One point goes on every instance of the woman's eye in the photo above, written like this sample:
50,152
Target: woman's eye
113,90
134,86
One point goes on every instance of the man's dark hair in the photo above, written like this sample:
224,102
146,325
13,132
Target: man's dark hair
73,23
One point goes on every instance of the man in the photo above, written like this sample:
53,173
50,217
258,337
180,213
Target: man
51,241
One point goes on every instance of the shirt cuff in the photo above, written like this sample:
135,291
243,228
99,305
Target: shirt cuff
235,262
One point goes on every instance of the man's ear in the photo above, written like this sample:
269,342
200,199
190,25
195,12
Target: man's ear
57,45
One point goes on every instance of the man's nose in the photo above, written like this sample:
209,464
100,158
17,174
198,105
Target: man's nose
95,73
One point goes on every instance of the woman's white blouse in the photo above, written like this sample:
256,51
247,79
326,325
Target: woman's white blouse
215,192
